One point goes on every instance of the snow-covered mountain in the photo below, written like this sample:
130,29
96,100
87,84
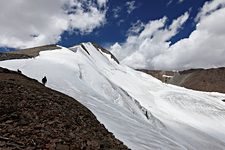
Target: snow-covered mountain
138,109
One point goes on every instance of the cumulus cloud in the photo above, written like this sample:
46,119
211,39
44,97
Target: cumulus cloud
26,23
146,41
210,7
136,28
204,48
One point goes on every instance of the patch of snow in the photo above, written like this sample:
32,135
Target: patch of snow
166,76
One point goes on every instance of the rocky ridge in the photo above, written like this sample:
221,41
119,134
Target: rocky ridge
33,116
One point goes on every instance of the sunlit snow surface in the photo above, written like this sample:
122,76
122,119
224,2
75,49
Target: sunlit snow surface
138,109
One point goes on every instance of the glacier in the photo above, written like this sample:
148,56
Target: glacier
137,108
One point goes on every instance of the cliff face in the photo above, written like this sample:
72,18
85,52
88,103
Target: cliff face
35,117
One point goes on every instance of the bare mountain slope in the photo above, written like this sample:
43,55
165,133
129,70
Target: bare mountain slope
209,80
32,52
26,53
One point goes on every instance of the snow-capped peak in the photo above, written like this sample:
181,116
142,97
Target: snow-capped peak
94,49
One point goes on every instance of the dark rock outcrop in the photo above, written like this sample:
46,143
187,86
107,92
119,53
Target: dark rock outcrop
84,48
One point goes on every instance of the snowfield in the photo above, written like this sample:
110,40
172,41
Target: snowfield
138,109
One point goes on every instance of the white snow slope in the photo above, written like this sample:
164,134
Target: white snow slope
140,110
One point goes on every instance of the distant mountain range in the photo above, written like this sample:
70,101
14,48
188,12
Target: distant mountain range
137,108
209,80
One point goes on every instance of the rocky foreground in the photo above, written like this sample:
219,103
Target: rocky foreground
35,117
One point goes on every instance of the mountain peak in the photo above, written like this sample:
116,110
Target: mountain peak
98,47
94,47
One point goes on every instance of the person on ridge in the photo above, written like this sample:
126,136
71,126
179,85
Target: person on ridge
19,71
44,80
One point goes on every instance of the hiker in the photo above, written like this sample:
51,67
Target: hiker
19,71
44,80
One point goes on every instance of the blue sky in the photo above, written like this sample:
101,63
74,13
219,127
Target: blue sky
149,34
145,10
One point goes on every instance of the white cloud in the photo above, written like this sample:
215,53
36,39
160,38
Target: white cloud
169,2
120,22
148,41
210,7
130,6
180,1
136,28
204,48
102,2
36,22
116,12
